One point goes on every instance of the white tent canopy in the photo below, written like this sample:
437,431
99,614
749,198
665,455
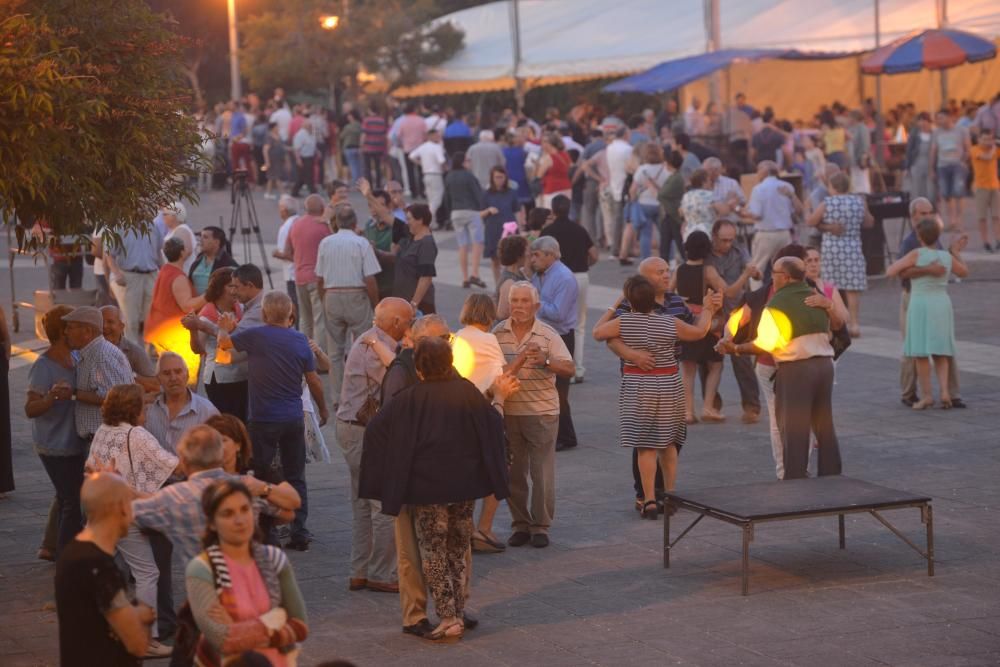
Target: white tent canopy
569,40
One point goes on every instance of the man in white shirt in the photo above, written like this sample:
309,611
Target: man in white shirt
430,156
436,121
304,149
282,117
288,211
619,158
345,273
694,119
771,209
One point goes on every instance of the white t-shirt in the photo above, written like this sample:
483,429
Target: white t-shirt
431,157
487,355
619,153
287,268
184,233
650,174
98,262
282,117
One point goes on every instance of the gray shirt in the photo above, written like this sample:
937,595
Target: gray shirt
139,252
484,156
137,358
730,267
168,431
363,375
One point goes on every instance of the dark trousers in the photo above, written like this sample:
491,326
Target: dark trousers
415,175
166,617
739,154
567,434
746,379
373,169
305,176
637,478
670,237
66,473
803,403
229,398
289,440
66,270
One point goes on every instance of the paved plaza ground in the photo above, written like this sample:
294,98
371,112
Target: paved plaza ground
599,594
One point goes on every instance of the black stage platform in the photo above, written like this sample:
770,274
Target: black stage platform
748,504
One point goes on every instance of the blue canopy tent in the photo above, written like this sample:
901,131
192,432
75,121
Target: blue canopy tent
676,73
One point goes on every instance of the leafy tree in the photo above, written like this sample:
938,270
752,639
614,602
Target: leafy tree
91,129
288,47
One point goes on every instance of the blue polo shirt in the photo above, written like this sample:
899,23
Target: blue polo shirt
277,358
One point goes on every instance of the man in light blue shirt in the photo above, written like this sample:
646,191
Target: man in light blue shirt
773,205
131,269
557,294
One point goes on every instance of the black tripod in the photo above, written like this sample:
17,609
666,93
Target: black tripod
242,201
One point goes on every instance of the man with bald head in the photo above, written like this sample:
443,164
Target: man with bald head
657,271
373,545
114,333
98,625
302,247
803,385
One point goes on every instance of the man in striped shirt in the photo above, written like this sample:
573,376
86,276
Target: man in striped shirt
531,415
657,271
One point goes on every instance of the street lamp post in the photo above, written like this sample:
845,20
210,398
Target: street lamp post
234,58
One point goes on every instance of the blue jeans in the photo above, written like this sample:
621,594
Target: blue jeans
66,473
951,181
287,439
353,157
646,217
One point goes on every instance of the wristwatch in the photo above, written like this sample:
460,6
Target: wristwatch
267,491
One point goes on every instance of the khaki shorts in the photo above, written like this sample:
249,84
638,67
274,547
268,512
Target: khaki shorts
987,203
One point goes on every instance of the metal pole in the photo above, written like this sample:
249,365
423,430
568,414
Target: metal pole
515,35
879,118
713,42
234,58
942,22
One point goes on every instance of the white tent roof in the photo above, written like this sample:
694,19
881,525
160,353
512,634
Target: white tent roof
567,40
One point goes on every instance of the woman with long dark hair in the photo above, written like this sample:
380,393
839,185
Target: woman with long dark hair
243,594
501,206
225,382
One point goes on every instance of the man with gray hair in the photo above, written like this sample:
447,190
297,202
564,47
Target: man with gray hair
531,415
771,210
483,156
288,213
725,190
558,294
346,267
176,407
920,209
278,357
302,247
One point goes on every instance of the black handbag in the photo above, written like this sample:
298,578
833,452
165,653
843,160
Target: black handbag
840,341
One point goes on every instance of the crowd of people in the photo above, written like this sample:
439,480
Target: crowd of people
180,416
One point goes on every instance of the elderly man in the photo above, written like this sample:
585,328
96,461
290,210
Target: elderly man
98,625
725,190
278,358
302,247
288,213
531,415
733,265
558,294
142,365
373,548
803,387
176,408
102,365
346,267
771,209
131,269
483,156
920,208
175,510
657,271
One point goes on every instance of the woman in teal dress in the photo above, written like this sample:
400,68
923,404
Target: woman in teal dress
930,322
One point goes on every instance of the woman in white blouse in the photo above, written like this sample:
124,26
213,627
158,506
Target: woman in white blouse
123,444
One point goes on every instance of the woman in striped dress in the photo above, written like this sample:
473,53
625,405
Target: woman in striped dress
651,400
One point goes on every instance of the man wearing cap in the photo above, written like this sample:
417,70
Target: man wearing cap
102,365
131,269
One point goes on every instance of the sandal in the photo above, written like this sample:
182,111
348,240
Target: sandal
650,510
690,420
481,543
923,404
449,634
946,404
712,417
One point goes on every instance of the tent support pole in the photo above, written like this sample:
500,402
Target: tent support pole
515,32
713,42
879,117
942,22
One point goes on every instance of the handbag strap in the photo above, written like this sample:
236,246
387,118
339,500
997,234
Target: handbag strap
128,448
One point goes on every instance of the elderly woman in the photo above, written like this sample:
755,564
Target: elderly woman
175,218
122,443
173,298
49,406
243,594
225,382
651,402
448,450
415,269
553,169
698,207
841,217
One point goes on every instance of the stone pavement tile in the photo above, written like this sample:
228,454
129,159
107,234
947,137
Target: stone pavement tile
990,624
697,647
932,644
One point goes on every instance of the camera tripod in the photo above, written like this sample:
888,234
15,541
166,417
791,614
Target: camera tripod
245,218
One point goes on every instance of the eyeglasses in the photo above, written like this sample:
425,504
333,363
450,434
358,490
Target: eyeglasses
779,273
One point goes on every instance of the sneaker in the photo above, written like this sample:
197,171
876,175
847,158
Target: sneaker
157,650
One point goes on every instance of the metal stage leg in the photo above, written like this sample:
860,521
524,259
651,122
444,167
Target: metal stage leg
840,524
927,516
747,538
666,539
